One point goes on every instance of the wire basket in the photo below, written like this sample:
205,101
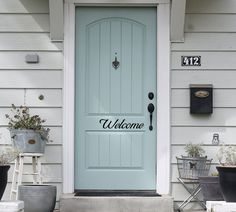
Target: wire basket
193,168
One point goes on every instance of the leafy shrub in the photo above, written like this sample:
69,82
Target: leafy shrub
227,155
22,120
194,150
7,154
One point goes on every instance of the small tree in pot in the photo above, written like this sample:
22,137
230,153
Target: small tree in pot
227,172
27,131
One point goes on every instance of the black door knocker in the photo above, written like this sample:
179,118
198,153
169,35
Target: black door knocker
115,63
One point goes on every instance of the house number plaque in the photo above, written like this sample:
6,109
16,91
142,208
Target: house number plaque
191,60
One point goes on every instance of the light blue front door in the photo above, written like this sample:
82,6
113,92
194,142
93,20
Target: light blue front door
115,71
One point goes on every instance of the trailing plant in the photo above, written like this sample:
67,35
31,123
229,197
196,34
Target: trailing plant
7,155
227,155
22,120
215,174
194,150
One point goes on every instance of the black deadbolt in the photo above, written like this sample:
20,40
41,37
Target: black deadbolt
151,95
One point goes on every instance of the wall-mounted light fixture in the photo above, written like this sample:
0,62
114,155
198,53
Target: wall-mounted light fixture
216,139
32,58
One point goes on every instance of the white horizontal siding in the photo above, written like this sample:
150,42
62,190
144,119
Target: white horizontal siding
24,29
53,154
16,60
220,117
211,6
219,78
55,135
28,42
210,32
210,23
24,6
10,96
199,42
221,98
30,79
204,134
51,173
24,23
52,97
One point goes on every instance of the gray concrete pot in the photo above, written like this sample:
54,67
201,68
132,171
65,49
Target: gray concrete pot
28,141
210,188
38,198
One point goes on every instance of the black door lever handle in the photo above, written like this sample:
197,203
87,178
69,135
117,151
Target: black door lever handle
150,108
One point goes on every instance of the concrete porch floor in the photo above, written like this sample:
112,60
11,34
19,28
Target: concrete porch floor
194,210
70,203
183,211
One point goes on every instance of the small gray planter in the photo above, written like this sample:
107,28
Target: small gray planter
38,198
210,187
28,141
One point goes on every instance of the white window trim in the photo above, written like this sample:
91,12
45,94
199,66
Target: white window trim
163,92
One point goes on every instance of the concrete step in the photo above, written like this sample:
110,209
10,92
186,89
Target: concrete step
220,206
70,203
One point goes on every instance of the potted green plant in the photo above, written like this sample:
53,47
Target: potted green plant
7,154
227,172
194,150
27,131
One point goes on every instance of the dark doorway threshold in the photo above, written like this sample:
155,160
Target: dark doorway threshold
122,193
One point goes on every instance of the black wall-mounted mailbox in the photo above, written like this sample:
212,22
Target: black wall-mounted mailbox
201,99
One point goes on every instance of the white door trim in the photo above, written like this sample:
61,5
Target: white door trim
163,96
163,99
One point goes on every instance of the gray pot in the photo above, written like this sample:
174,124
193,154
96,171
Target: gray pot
38,198
210,188
28,141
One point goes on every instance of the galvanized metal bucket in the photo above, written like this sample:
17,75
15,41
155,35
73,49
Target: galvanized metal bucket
28,141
